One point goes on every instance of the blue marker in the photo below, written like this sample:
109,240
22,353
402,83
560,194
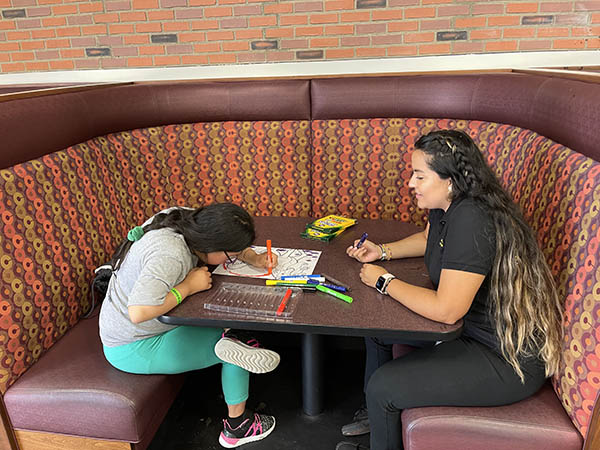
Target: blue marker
301,277
327,285
362,240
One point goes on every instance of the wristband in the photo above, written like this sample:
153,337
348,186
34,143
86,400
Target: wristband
177,295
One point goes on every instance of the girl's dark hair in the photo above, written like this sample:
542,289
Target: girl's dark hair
524,301
212,228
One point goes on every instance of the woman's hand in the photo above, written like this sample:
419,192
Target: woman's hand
198,279
259,260
370,273
367,252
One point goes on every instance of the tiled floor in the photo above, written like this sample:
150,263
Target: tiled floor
194,420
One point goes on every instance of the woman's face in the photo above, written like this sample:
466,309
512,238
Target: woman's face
431,191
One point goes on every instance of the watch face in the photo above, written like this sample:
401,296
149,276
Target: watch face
380,283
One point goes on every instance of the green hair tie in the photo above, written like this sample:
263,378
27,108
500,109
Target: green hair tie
135,234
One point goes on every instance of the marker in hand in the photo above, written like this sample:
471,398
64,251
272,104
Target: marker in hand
362,240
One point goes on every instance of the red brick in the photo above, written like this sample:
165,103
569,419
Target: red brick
221,58
308,6
405,25
279,33
553,32
85,19
323,18
278,8
309,31
194,59
502,21
488,33
218,12
32,45
404,50
595,18
435,24
386,14
434,49
106,18
122,52
136,16
152,50
453,11
535,45
72,53
47,54
264,21
119,5
501,46
513,8
13,67
207,48
139,62
370,52
275,56
176,26
370,28
121,29
249,10
339,5
88,63
167,60
358,16
91,7
356,41
467,47
43,34
335,53
219,36
387,39
94,29
435,2
150,27
36,65
7,25
487,8
476,22
180,49
58,43
136,39
566,44
39,12
519,33
113,63
294,43
293,20
9,46
54,22
160,15
144,4
419,37
324,42
192,37
202,2
339,29
18,35
231,2
205,25
417,13
22,56
71,31
556,7
236,46
62,65
248,34
587,5
593,43
571,19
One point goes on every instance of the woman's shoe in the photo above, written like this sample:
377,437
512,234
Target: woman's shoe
345,445
242,350
255,428
359,424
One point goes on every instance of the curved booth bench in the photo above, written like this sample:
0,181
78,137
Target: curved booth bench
79,169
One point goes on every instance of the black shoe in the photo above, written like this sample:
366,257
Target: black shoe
255,428
345,445
359,425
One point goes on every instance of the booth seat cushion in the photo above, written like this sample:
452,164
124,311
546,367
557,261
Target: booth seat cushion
538,422
74,390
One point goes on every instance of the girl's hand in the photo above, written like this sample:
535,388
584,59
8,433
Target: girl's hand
367,252
370,273
198,279
259,260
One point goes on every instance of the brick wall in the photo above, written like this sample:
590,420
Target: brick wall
47,35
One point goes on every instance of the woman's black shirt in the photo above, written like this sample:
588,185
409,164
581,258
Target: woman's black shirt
463,238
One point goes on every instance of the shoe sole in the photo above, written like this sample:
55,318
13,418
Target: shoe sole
252,359
248,439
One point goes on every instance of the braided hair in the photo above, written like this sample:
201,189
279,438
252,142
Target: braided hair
213,228
525,305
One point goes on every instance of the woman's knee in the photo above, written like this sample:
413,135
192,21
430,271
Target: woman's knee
382,387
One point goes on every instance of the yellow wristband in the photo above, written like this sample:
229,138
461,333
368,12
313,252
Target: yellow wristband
177,295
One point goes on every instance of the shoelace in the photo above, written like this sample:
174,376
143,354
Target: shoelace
256,427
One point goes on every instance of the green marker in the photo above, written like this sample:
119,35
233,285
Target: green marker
334,293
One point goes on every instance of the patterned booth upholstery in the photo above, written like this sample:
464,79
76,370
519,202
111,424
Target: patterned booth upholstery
67,200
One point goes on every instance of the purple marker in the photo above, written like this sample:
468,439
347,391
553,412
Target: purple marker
362,240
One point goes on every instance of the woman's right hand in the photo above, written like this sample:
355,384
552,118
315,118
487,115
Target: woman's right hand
367,252
198,279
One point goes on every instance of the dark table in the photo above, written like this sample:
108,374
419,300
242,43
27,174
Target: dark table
316,313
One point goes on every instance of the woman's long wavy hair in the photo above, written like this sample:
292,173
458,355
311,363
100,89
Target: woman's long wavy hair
525,305
213,228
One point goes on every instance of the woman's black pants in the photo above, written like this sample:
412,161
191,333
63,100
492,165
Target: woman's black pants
462,372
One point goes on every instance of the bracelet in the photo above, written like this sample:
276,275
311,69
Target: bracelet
386,253
177,295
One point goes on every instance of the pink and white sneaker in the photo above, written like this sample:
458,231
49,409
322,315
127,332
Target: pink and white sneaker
252,429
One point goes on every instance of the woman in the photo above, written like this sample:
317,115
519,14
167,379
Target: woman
154,270
486,268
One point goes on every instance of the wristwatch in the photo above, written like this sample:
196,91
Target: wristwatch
383,282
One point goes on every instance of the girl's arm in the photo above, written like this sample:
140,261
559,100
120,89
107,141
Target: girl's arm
198,279
448,304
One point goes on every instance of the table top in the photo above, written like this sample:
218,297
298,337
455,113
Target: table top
370,314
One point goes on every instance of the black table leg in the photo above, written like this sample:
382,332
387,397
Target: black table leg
312,374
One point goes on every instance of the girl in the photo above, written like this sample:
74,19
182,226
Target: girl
154,270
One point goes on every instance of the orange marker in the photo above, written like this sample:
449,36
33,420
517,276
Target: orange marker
284,301
270,257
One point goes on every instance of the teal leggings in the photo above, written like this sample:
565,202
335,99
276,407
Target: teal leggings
180,350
